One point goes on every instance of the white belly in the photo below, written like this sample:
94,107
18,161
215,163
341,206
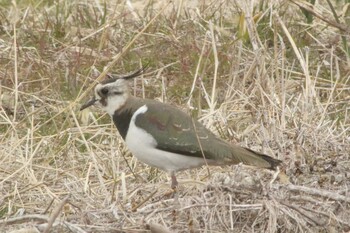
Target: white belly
143,147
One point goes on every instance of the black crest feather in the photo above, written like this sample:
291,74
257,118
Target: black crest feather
135,74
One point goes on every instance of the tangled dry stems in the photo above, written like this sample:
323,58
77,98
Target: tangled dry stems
66,171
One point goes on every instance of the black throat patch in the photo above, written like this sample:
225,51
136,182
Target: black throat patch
122,120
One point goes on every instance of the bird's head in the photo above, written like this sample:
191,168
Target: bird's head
111,94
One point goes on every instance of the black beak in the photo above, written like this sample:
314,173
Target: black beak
88,104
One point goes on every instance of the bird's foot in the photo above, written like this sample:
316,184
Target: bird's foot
174,182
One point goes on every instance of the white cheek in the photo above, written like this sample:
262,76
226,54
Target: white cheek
114,103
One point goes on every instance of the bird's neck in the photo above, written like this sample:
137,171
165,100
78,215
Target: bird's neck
122,116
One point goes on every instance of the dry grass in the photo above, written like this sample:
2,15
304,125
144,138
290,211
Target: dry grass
256,74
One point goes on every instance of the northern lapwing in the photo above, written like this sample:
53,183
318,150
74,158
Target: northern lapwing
165,137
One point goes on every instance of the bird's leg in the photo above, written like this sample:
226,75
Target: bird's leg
174,182
173,192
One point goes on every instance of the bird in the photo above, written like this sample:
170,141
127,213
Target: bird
163,136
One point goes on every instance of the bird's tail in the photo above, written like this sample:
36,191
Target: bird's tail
262,160
252,158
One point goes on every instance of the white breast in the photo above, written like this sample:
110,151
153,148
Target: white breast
143,147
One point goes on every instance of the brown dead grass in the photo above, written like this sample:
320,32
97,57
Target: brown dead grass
255,75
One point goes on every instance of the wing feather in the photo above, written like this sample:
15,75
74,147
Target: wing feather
175,131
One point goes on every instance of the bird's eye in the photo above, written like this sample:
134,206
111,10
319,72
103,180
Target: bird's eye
104,91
